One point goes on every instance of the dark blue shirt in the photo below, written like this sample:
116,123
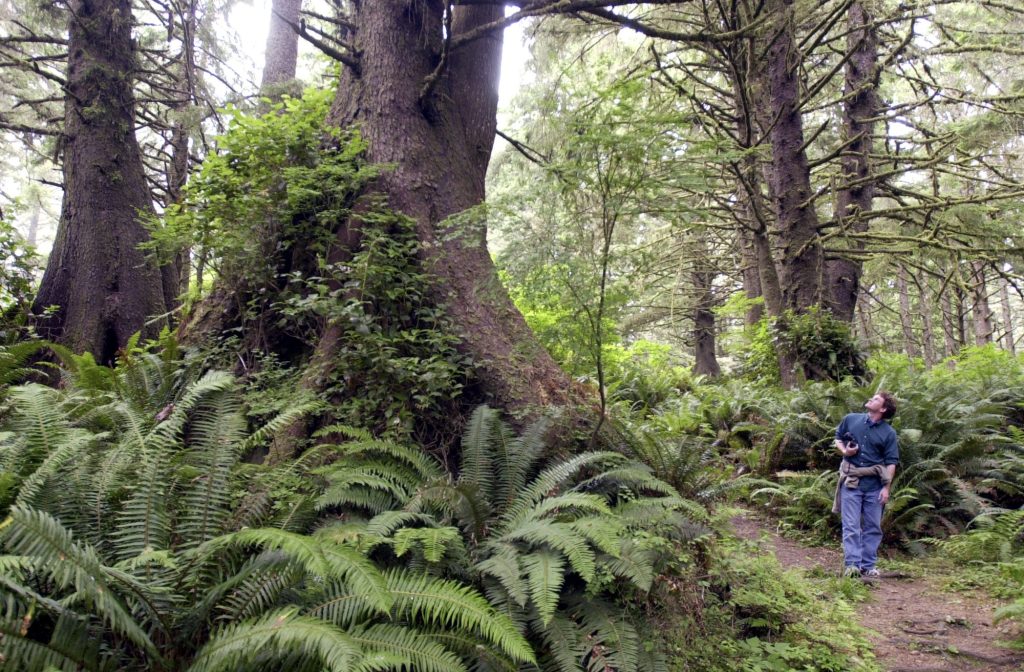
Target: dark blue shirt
877,441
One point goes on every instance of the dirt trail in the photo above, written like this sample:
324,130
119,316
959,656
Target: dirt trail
915,627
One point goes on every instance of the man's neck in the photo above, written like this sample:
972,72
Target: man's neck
874,417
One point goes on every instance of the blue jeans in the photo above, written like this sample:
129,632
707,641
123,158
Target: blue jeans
862,527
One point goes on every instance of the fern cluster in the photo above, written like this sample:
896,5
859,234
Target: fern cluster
563,547
128,546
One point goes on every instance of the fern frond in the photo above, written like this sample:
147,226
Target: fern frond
39,536
384,524
423,465
503,564
633,563
320,557
267,562
614,643
551,480
216,430
559,537
564,642
278,633
69,646
338,604
258,592
13,358
515,464
604,532
483,431
449,604
296,410
545,575
144,523
433,541
635,477
568,505
387,647
32,488
480,658
38,423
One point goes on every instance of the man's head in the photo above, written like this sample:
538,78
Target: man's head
882,403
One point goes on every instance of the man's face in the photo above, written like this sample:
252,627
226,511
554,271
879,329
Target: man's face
875,404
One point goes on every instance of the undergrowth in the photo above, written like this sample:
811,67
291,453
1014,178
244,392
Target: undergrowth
744,611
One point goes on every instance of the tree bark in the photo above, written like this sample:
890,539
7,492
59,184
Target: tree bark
861,107
706,363
176,276
1004,301
796,222
439,145
282,53
927,327
102,286
906,317
866,326
949,339
982,311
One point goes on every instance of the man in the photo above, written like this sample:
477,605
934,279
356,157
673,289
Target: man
870,454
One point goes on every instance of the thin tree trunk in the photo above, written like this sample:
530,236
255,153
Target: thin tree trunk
751,276
906,317
860,109
176,276
104,288
982,311
867,329
1004,302
961,314
927,328
948,324
706,363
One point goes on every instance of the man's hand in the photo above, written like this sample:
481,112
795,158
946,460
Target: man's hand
846,451
883,495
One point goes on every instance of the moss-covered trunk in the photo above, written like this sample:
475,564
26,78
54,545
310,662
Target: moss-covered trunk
438,139
103,287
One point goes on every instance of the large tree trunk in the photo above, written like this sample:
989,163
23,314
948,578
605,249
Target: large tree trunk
439,145
860,109
282,52
796,223
102,285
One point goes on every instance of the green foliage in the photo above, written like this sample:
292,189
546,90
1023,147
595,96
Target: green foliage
17,282
125,548
269,192
822,346
746,612
646,375
549,297
263,214
565,547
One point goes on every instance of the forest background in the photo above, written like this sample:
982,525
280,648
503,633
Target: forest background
263,355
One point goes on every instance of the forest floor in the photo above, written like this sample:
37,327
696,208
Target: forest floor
914,624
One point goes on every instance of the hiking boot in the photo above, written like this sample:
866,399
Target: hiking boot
872,574
852,572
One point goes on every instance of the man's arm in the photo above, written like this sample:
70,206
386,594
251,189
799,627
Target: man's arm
890,472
